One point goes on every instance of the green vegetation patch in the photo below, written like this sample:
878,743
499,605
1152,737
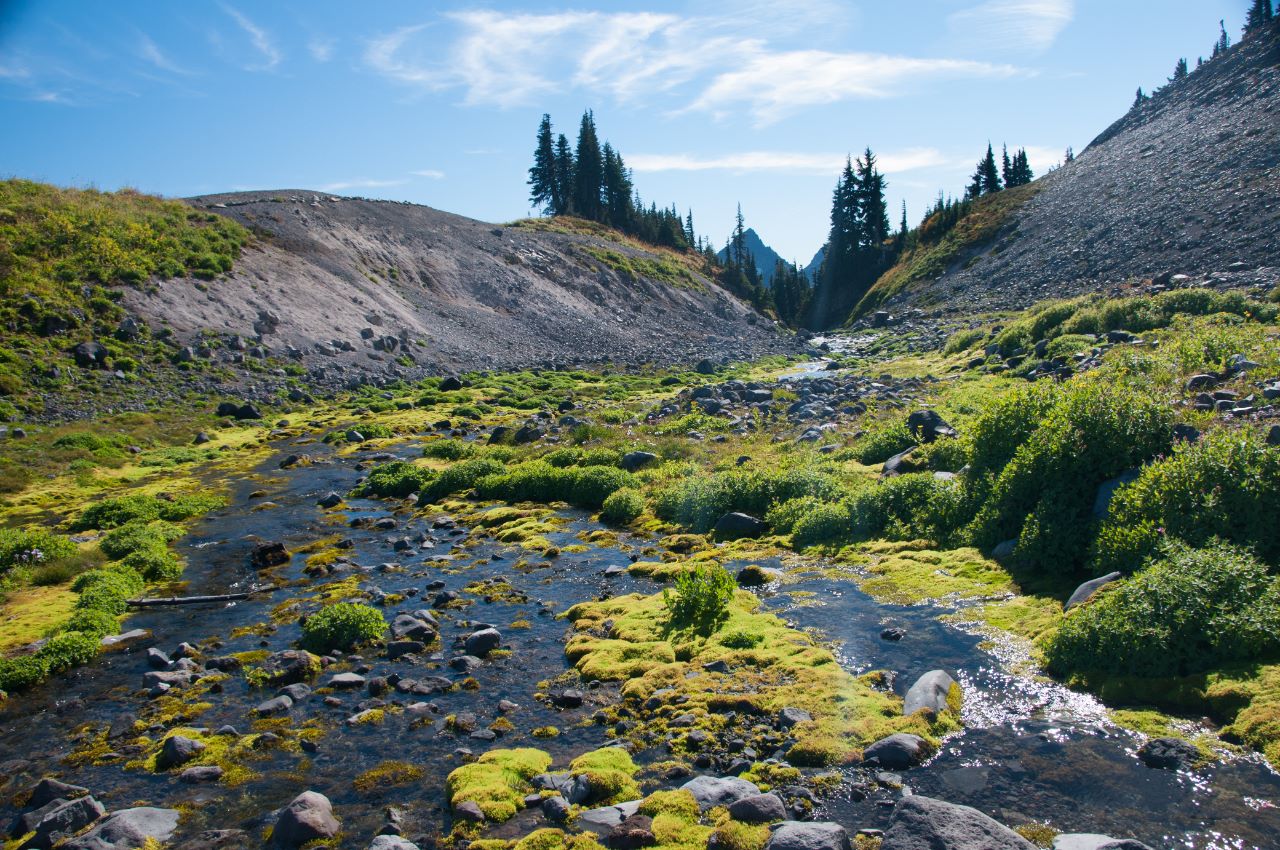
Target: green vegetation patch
343,625
497,781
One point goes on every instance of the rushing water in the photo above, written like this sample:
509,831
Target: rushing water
1030,750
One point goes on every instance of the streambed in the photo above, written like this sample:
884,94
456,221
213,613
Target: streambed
1030,751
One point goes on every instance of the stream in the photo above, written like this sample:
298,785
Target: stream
1031,750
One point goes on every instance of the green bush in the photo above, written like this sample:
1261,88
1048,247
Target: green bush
67,650
697,502
882,443
907,507
154,563
114,512
125,581
342,625
21,672
1067,345
1227,485
539,481
459,478
1190,611
782,517
946,455
137,535
92,622
1044,495
822,524
963,340
622,506
32,547
448,449
104,596
394,480
701,596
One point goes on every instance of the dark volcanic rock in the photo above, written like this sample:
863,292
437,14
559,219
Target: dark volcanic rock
923,823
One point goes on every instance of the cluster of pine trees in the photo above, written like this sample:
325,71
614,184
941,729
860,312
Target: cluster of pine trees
1259,16
988,179
591,181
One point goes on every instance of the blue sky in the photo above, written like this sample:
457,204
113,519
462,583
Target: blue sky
711,103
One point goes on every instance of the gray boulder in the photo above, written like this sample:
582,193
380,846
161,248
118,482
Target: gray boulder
797,835
177,750
1093,841
897,752
930,691
49,789
923,823
927,426
631,461
128,829
90,355
391,842
60,819
898,464
711,791
603,820
1085,592
737,525
760,808
1169,754
308,818
789,717
200,773
1107,491
481,643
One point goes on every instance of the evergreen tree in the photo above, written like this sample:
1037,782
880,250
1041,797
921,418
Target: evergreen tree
738,252
1006,167
1141,98
688,228
986,177
1260,15
588,188
617,190
872,208
544,191
1179,71
1224,40
1070,155
564,176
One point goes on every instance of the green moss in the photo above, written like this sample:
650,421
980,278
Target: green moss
610,775
497,782
387,774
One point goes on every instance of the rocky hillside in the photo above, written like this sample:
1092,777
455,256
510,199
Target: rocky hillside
1187,183
354,285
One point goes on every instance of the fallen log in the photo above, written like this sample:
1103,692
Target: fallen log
158,601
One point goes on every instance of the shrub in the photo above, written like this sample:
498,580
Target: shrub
137,535
907,507
963,340
104,596
448,449
1068,344
824,524
538,481
701,596
32,547
1227,485
880,444
1044,495
342,625
459,478
92,622
21,672
622,506
114,512
394,480
67,650
154,563
698,502
946,455
782,517
1190,611
124,580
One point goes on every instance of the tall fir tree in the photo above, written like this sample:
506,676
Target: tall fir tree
1179,71
689,235
617,190
588,183
1224,41
564,176
1006,167
544,190
1139,99
1260,14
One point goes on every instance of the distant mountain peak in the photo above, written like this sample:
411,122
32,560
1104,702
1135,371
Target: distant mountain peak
766,258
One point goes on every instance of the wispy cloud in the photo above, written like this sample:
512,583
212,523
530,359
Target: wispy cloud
14,72
342,185
260,40
1026,25
151,52
321,49
784,161
710,63
432,173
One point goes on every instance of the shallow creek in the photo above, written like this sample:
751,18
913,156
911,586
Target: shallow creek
1030,750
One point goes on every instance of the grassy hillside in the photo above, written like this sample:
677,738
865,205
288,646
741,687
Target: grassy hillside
65,254
935,254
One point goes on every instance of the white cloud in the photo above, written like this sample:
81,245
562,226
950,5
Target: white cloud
1043,158
1028,25
432,173
773,85
259,39
713,63
321,49
152,53
341,185
784,161
14,72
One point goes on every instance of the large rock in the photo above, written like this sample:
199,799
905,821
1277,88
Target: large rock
480,643
923,823
391,842
930,692
290,665
711,791
177,750
90,355
1169,754
819,835
737,525
308,818
897,752
60,820
927,426
631,461
899,464
266,555
1107,491
1085,592
49,789
128,829
603,820
1093,841
759,808
633,833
